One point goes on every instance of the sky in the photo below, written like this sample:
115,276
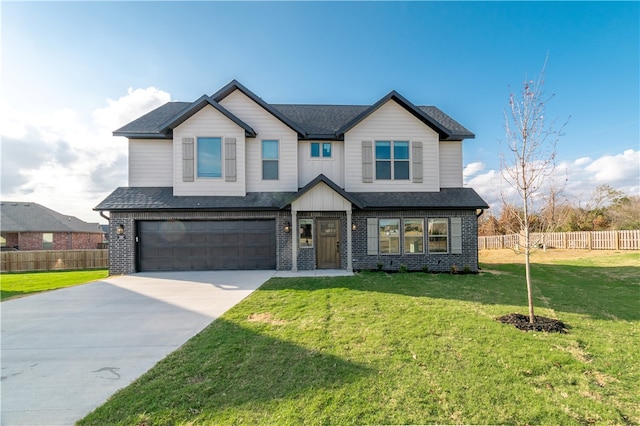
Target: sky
72,72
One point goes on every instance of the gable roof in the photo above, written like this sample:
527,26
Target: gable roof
321,178
196,106
160,122
235,85
33,217
443,131
311,122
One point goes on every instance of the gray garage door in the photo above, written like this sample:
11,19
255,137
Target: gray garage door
203,245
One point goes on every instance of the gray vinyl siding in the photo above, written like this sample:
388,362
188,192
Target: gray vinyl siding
150,162
267,127
451,164
391,122
208,122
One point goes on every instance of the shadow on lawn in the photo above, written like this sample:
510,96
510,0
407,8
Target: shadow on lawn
225,366
600,292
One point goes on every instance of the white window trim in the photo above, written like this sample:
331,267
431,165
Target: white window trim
196,154
321,156
404,237
392,160
262,159
399,253
306,219
429,252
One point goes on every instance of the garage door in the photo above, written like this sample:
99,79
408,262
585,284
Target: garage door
204,245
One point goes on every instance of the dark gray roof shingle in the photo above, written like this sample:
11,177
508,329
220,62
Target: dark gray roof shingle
133,199
309,121
150,124
162,198
32,217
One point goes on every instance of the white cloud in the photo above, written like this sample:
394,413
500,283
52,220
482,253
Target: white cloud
472,168
65,162
577,178
616,168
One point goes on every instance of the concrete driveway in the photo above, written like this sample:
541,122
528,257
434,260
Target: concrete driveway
66,351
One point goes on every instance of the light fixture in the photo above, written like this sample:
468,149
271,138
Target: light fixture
353,227
120,229
287,227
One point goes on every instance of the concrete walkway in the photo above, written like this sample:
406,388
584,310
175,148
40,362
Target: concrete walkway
65,352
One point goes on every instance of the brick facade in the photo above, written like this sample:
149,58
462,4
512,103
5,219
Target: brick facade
122,248
61,240
440,262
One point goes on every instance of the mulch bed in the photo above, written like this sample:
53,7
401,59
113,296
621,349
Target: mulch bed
521,322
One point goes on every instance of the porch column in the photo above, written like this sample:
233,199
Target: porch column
294,240
349,232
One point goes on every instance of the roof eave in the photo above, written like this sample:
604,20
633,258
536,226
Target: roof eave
196,106
236,85
443,133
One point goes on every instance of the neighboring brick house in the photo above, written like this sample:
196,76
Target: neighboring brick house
30,226
231,182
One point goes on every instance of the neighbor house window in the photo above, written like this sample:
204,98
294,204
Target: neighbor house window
270,159
47,241
389,236
392,160
305,231
209,159
414,236
438,235
320,149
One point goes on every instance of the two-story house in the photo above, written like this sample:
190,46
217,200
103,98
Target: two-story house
231,182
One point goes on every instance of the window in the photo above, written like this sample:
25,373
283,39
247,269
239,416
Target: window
389,236
317,152
209,162
306,233
438,235
270,160
413,236
392,160
47,241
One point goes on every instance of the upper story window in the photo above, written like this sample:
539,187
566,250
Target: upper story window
270,159
320,149
392,160
209,157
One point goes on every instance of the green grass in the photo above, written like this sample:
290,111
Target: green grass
414,348
22,284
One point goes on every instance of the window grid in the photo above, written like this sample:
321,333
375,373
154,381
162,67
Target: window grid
270,159
392,160
438,235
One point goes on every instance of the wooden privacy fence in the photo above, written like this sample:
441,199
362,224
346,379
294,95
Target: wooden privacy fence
590,240
53,260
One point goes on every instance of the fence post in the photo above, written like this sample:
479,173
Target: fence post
616,240
589,240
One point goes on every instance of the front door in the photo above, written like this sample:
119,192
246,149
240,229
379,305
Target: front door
328,249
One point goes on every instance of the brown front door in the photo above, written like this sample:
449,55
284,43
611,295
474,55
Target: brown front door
328,249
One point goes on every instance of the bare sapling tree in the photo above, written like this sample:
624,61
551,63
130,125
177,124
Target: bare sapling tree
529,163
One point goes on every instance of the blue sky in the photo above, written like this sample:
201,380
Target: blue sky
70,70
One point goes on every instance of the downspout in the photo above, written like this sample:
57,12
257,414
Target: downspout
477,254
104,215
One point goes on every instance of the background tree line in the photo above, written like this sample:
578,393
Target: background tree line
607,209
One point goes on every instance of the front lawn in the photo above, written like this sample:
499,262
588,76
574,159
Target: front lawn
22,284
415,348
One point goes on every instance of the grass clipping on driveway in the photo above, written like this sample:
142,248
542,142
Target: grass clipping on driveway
414,348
